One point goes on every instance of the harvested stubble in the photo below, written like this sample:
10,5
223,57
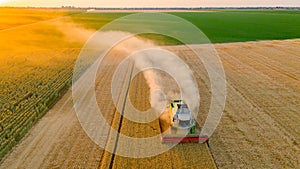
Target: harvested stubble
180,156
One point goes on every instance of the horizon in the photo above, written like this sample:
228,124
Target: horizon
196,7
151,4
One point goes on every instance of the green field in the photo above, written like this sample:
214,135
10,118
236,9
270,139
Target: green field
221,26
239,26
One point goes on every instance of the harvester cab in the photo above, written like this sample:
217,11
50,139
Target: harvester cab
183,125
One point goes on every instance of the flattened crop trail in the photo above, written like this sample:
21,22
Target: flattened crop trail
122,101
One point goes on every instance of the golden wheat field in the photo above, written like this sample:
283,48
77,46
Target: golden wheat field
249,130
259,127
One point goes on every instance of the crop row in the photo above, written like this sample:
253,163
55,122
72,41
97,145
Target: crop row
26,96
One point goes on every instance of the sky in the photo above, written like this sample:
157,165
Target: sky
152,3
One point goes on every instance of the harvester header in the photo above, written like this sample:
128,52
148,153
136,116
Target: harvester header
183,126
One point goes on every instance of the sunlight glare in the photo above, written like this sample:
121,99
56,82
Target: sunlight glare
3,1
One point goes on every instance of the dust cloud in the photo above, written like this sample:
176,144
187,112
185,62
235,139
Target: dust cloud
73,32
167,76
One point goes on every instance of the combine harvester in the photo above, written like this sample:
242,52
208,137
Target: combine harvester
183,125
